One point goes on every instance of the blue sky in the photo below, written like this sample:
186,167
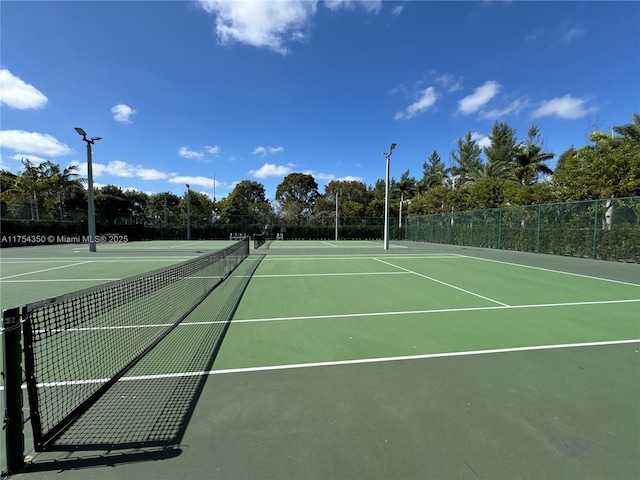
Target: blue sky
182,91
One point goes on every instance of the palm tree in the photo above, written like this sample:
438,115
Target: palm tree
491,169
30,184
405,186
61,181
631,131
529,159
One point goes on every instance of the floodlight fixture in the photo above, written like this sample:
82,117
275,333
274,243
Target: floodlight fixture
91,204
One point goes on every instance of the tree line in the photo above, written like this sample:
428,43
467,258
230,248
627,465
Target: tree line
512,172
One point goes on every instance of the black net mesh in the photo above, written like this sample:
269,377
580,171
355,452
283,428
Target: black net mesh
78,345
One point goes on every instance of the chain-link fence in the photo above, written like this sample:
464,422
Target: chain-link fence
174,227
600,229
606,229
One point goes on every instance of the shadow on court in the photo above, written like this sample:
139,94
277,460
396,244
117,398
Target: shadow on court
143,417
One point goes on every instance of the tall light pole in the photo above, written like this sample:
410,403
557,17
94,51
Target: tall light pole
386,198
92,210
188,213
337,194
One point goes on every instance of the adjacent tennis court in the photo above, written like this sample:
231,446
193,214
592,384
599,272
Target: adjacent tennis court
344,360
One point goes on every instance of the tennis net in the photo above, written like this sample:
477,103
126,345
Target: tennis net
78,345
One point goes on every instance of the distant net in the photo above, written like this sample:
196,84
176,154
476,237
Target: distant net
259,239
79,345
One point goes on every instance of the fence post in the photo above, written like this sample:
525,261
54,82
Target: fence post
538,233
499,229
595,231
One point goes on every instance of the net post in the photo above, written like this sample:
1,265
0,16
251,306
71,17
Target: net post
12,372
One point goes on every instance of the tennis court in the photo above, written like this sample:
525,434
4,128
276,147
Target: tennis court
343,360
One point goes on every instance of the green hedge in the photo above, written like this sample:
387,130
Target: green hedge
601,229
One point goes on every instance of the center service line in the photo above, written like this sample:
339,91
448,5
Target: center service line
443,283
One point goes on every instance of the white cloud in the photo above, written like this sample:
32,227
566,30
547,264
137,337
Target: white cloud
328,177
272,24
184,152
265,150
150,174
566,107
350,178
198,180
118,168
270,170
449,82
480,139
397,10
98,169
571,34
325,177
122,113
371,6
15,93
33,142
268,24
515,107
480,97
212,150
426,99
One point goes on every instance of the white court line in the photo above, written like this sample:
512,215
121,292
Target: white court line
350,315
552,271
416,357
358,256
443,283
330,244
439,310
335,363
62,280
381,243
22,261
324,274
44,270
2,280
190,244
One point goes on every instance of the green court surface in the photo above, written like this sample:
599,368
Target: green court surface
343,360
